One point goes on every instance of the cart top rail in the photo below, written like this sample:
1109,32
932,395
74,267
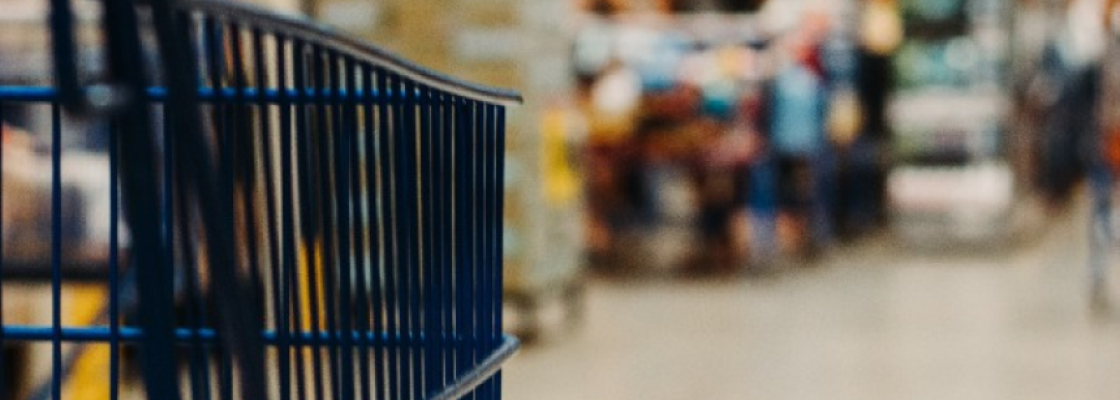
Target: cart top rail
312,31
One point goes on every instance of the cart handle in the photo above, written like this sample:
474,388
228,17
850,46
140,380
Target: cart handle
312,31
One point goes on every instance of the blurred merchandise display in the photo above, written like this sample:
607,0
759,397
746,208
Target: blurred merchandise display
949,122
716,139
934,11
671,128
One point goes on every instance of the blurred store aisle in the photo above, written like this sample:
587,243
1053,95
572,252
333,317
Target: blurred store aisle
872,322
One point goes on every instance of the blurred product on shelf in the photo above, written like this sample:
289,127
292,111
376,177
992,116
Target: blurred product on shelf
710,138
953,175
27,228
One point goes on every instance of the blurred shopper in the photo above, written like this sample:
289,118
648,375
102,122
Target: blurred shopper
722,182
1033,26
729,140
1075,130
1071,64
844,125
797,137
1104,158
880,34
614,98
1110,90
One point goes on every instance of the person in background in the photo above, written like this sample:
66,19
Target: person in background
612,108
797,137
727,142
1071,69
1103,150
880,34
722,182
1033,24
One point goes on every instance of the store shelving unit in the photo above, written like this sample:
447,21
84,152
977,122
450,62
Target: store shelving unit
951,178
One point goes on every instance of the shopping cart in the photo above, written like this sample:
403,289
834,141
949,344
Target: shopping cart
291,213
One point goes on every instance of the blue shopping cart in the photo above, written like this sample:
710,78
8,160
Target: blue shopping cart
287,213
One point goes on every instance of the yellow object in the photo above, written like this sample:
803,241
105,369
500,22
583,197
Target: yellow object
561,182
306,268
305,303
881,29
845,118
89,378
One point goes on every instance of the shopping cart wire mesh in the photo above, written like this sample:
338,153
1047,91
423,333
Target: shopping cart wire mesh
308,216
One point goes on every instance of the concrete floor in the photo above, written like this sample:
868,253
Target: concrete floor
870,322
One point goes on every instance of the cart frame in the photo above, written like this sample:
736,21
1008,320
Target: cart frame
307,215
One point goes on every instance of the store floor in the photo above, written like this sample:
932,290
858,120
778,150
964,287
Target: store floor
871,322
